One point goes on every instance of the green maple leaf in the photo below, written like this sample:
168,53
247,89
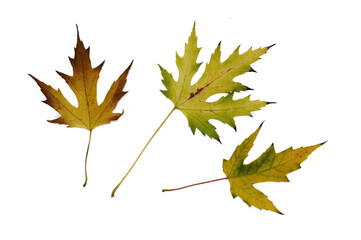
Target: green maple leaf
269,167
217,78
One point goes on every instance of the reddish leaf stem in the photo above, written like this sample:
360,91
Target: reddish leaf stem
86,159
195,184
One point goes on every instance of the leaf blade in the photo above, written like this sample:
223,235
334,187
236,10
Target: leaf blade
89,114
269,167
217,78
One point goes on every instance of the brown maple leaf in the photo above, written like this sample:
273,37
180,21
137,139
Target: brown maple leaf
89,114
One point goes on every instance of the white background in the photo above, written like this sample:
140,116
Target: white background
313,73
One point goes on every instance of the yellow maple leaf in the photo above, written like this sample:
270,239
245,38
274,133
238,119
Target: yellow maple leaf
269,167
89,114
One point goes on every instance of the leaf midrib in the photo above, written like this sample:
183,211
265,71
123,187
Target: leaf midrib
208,84
271,167
85,91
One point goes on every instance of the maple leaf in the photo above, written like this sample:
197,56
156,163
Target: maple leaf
269,167
89,114
217,78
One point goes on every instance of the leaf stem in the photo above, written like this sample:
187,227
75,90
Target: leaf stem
86,158
195,184
115,189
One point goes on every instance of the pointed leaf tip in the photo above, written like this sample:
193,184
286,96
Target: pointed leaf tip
130,65
101,65
261,124
160,67
194,30
77,32
271,46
